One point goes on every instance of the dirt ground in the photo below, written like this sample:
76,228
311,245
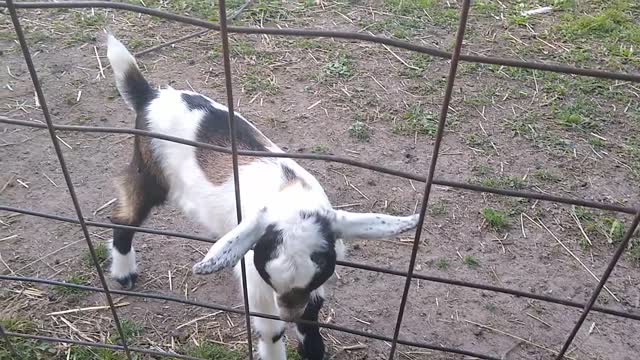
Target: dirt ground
507,128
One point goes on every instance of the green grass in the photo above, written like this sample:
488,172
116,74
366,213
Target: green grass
611,29
211,351
510,182
342,67
243,48
546,176
130,329
442,264
482,169
417,120
577,115
309,44
77,279
89,353
439,12
320,149
438,208
360,131
264,11
254,82
471,261
26,349
292,354
497,220
102,254
598,227
86,20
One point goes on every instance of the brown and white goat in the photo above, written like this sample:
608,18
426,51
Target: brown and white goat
290,235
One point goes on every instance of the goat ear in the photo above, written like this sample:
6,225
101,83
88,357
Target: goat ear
371,226
227,251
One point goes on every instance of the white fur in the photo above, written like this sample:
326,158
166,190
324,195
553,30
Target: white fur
123,266
121,60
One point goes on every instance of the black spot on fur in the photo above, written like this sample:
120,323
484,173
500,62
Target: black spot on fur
214,128
137,89
265,250
324,259
312,347
288,174
278,336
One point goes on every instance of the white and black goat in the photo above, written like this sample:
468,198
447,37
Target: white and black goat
290,235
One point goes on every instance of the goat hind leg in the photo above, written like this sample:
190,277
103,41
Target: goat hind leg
138,194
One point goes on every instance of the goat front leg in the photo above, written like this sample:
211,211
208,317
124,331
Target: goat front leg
270,332
138,193
311,346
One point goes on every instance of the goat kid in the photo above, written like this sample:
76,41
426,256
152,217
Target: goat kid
290,235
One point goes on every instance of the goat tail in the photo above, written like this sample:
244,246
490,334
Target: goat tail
132,86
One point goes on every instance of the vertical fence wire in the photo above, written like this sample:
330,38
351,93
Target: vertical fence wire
234,157
614,260
455,58
63,166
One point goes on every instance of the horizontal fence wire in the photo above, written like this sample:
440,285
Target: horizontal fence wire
429,180
635,77
332,158
354,265
100,345
241,312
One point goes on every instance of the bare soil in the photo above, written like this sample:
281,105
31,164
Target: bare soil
505,129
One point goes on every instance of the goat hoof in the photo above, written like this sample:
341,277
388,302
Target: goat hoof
127,282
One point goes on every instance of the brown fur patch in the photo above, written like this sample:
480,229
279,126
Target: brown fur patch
218,167
141,187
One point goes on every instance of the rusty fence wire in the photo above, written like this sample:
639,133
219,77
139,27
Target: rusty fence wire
455,57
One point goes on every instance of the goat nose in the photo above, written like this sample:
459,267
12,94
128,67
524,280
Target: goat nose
291,315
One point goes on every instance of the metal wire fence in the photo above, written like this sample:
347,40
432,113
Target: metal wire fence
455,57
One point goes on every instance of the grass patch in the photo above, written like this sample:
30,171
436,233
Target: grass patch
102,254
255,82
601,227
612,29
417,120
130,329
442,264
26,349
212,351
89,353
471,261
87,20
576,116
420,61
360,131
320,149
342,67
263,11
546,176
243,48
496,219
438,208
77,279
482,169
292,354
439,12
